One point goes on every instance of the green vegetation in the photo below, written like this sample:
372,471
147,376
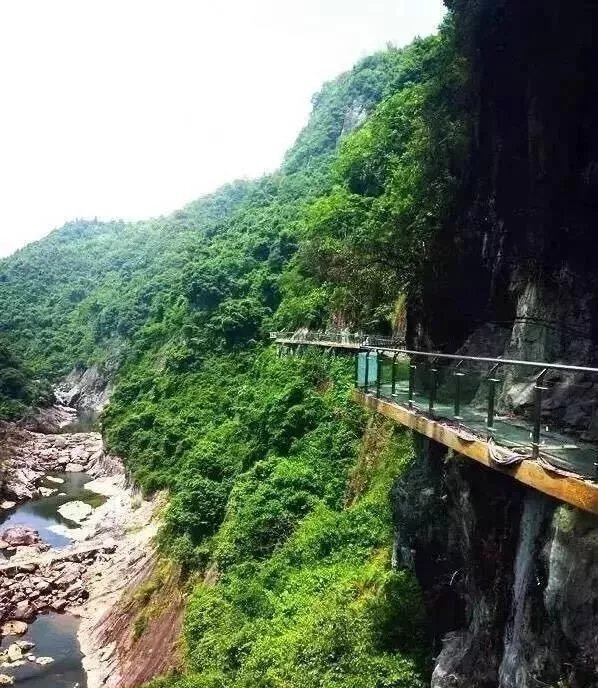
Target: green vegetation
277,487
18,390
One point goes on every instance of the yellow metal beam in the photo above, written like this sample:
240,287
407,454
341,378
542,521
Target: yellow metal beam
576,491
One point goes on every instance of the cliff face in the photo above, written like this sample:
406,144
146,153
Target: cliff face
529,208
510,577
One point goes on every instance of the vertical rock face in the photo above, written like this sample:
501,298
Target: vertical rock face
88,390
510,577
522,253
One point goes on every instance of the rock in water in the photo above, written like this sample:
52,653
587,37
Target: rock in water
14,653
75,511
20,536
24,611
74,468
46,491
44,660
7,504
52,479
14,628
6,680
25,645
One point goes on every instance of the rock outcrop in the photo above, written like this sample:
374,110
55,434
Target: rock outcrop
20,536
28,456
45,582
510,576
87,390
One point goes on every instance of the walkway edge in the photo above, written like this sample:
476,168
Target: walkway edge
577,492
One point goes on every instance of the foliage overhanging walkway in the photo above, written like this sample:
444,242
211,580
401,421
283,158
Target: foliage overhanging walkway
531,420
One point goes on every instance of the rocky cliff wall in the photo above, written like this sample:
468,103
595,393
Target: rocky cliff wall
510,576
522,252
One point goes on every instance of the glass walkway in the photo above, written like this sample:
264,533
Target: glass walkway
547,412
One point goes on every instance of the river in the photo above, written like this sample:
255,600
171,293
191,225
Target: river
54,635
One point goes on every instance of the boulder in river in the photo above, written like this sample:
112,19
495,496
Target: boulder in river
76,511
74,468
14,653
7,504
14,628
58,605
20,536
44,660
53,479
24,611
6,680
25,645
47,491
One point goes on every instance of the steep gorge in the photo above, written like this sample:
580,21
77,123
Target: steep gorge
457,176
511,573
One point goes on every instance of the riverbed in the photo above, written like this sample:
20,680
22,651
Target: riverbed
42,514
89,570
54,634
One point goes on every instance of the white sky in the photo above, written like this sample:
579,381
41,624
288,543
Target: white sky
131,108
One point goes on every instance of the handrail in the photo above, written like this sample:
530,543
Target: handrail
485,359
378,343
369,379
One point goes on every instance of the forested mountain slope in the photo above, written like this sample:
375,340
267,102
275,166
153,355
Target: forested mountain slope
276,482
445,189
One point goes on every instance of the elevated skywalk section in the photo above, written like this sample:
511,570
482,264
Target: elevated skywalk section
535,421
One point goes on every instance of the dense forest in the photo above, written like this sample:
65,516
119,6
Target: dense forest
276,481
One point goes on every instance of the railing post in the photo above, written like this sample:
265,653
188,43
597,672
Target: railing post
412,369
492,383
538,389
378,374
357,369
458,375
367,372
433,387
393,383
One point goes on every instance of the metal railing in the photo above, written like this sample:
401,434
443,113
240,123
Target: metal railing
371,377
356,340
445,385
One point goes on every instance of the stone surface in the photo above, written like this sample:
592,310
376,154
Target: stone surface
46,491
74,468
14,628
17,536
75,511
14,652
509,578
44,660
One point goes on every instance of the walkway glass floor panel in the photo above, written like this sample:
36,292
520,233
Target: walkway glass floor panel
564,452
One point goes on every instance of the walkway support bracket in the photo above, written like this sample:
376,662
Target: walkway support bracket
493,382
538,390
412,370
433,386
393,384
458,375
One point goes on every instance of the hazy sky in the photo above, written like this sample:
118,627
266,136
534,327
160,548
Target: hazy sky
131,108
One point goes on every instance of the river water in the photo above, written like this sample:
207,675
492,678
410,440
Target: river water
54,635
42,514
